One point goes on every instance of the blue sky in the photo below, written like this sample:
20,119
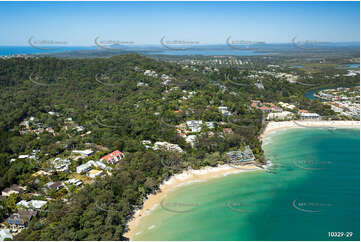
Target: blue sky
207,22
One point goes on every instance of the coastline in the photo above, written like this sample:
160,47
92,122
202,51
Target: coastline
207,173
283,125
178,180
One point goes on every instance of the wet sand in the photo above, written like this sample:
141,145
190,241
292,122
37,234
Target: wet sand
182,179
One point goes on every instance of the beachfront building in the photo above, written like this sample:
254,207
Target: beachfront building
284,115
245,156
309,116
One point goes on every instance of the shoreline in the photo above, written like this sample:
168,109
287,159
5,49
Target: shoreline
283,125
206,173
182,179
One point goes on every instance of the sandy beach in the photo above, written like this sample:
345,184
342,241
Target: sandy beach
184,178
277,126
191,176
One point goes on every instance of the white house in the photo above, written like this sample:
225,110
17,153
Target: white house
87,166
191,139
195,125
313,116
167,146
75,182
83,152
61,165
37,204
287,105
210,125
84,167
281,116
5,234
224,110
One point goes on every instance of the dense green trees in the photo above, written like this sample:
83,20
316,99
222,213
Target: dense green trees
102,95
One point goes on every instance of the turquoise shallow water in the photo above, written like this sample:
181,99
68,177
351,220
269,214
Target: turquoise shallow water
312,189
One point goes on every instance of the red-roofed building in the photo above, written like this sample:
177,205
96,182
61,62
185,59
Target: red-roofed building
113,157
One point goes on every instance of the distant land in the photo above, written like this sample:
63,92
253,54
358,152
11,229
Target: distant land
205,50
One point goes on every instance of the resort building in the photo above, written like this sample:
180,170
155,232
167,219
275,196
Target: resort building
309,116
284,115
265,107
113,157
286,105
239,156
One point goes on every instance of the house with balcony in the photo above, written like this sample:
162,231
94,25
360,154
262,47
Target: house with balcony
113,157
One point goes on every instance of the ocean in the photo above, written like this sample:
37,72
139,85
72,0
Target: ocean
29,50
152,50
157,49
312,192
